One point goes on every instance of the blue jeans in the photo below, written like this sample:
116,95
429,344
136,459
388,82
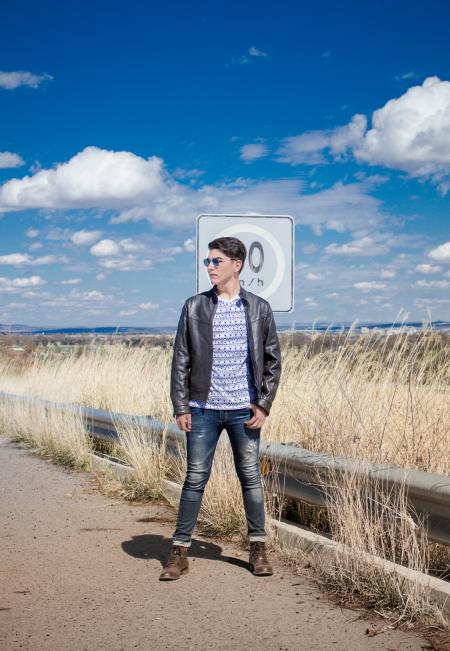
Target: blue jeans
201,442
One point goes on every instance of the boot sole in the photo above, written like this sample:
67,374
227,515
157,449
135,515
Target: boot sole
174,578
263,573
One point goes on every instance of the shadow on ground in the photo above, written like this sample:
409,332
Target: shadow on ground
158,547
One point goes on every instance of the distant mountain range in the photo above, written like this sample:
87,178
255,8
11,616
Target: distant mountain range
18,328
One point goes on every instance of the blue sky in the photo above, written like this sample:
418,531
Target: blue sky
121,122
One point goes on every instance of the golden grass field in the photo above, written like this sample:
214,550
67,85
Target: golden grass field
362,396
365,397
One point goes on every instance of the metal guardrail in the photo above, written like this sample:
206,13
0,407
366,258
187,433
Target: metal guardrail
296,473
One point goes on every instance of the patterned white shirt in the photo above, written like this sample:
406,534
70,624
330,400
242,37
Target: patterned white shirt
232,384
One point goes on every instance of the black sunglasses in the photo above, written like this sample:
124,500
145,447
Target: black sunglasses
215,261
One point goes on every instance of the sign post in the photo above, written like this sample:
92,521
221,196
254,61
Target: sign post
269,267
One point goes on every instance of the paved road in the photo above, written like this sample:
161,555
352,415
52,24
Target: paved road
79,571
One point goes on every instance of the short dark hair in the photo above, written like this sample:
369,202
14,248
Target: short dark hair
231,247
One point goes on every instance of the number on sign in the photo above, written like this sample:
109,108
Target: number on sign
256,268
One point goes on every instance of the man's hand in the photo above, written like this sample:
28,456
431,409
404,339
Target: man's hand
258,418
184,422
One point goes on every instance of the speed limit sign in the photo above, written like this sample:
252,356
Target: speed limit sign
269,267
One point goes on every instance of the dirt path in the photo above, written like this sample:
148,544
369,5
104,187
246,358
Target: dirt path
78,571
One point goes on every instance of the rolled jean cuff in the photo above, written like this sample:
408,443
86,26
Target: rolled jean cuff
181,543
260,538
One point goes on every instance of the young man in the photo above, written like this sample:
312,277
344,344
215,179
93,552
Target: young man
226,367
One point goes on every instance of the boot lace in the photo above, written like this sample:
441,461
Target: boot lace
259,548
175,554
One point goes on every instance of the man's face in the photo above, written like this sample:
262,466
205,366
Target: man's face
226,269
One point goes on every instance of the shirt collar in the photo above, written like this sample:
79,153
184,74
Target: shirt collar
213,293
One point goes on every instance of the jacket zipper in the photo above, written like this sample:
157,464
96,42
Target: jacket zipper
211,347
251,348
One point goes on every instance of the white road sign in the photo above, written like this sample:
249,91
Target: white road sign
269,267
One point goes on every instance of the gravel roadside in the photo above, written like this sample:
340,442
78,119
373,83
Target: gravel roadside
79,571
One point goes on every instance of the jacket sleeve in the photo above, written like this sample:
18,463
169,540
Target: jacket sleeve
179,376
272,363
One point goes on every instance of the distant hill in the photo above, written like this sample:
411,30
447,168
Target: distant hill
17,328
103,330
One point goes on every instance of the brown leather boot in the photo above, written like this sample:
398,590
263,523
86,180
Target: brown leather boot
177,564
259,564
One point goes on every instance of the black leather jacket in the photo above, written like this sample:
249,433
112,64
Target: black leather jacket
193,350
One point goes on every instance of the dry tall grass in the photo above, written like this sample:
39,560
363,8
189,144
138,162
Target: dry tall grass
368,520
58,434
385,405
365,397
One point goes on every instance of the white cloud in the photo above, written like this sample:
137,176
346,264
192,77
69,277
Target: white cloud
431,301
369,285
312,276
105,248
344,138
8,160
428,284
121,255
32,232
305,149
16,284
254,52
71,281
131,246
14,305
412,132
127,312
92,295
149,306
428,268
127,263
350,205
14,79
172,250
15,258
309,248
252,152
30,293
406,75
76,300
92,178
35,246
191,175
308,148
85,237
58,233
365,246
441,253
140,189
189,245
387,273
409,133
24,259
